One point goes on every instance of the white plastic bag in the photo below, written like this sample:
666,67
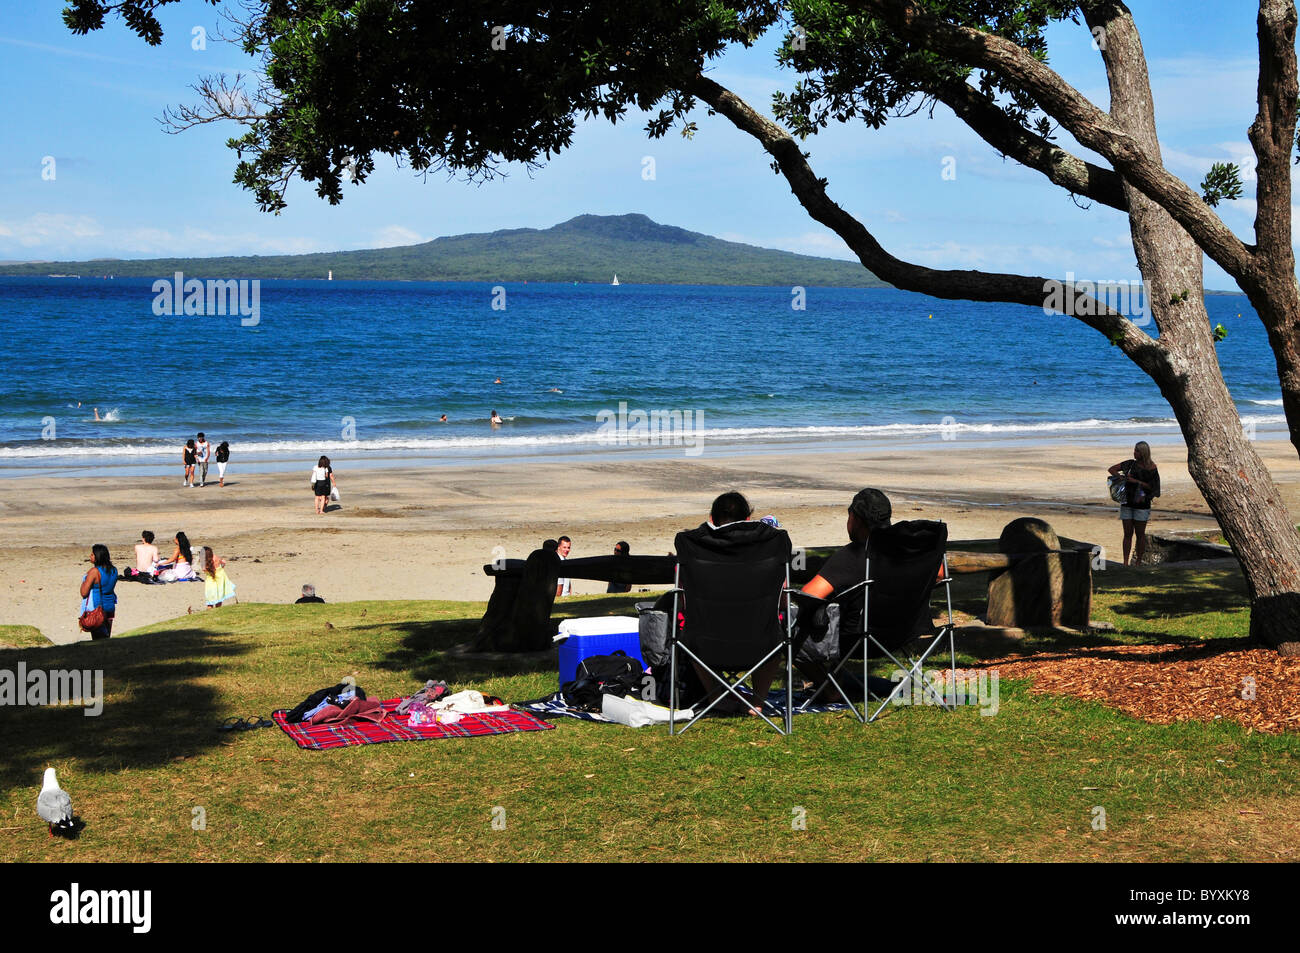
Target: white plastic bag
636,714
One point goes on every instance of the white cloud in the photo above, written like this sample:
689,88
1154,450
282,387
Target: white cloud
57,236
392,235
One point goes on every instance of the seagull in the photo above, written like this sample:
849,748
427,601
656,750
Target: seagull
54,806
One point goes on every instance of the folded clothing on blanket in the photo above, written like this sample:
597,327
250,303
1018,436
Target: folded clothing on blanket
430,693
337,696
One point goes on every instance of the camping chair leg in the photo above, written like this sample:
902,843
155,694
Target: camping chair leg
789,676
914,677
730,688
830,680
672,660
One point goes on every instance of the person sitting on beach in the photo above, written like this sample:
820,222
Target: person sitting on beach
178,568
217,587
146,558
97,589
622,550
309,595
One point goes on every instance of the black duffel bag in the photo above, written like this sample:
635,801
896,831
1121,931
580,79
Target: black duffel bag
598,675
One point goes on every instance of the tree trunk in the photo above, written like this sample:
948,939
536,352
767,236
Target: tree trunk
1245,501
1234,481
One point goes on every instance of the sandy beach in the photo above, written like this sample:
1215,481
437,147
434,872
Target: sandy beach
425,533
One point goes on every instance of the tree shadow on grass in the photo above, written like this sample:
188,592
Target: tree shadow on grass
439,648
1174,593
154,708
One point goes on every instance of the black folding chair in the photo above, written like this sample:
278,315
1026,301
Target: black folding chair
731,590
903,565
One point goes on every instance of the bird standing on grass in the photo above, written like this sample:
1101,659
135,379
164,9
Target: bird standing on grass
54,806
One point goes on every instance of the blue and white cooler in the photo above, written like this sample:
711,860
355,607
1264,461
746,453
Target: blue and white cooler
605,635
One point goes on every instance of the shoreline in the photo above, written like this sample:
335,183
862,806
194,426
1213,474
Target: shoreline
154,465
406,532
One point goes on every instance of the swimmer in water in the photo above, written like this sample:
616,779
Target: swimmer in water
442,419
97,413
496,419
497,381
555,390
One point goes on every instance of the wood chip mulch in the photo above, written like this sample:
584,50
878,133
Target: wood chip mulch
1166,683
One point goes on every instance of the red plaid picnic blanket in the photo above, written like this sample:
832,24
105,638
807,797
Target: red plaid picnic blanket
395,728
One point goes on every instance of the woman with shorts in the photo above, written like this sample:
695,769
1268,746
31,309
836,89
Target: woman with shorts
322,479
1143,485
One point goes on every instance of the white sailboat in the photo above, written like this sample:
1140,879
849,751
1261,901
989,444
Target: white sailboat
330,276
615,281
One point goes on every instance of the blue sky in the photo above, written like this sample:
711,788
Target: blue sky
123,188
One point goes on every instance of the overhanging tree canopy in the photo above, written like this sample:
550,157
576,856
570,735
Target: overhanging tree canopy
465,86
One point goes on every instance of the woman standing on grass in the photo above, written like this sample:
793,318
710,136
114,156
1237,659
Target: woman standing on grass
322,480
97,589
1143,485
217,587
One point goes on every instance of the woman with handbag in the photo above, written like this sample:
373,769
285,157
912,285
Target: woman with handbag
1142,485
98,598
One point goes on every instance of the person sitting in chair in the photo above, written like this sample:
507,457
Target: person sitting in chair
869,511
730,516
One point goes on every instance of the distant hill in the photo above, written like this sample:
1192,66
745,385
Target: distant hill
589,248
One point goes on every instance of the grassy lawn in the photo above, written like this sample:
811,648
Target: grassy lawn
21,637
920,784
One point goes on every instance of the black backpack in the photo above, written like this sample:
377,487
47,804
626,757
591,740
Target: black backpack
598,675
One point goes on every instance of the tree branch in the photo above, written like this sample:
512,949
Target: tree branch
1088,124
1010,138
1272,134
1146,352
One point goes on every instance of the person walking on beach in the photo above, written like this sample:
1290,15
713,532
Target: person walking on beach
1143,485
203,450
217,587
322,481
223,457
97,589
189,455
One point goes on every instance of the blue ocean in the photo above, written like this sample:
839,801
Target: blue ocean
366,369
